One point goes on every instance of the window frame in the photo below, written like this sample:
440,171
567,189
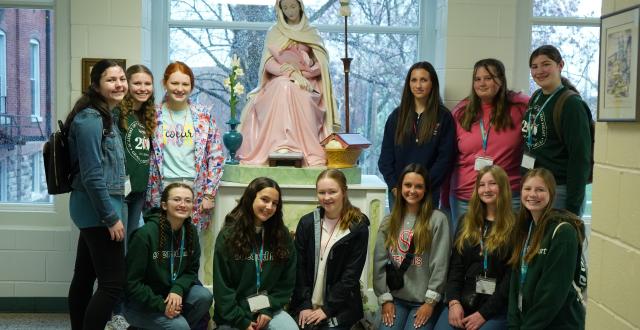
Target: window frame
30,215
3,75
34,76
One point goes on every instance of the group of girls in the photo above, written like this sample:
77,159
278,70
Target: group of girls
504,270
126,150
507,155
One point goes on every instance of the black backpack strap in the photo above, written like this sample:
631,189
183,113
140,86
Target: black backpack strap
408,258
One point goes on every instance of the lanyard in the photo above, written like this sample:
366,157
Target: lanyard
524,267
173,274
484,135
532,123
485,263
259,263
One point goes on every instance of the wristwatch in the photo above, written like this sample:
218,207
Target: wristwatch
430,301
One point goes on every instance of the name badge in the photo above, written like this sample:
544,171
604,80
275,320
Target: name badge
520,301
482,162
485,285
258,301
528,161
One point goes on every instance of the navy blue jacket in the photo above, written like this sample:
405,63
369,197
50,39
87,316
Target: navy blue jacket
437,155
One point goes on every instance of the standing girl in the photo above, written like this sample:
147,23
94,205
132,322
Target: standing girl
478,280
162,266
136,118
254,263
562,147
186,145
416,230
421,130
546,259
96,200
488,132
331,243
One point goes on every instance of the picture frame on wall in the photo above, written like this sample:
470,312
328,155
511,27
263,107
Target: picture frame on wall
619,91
87,65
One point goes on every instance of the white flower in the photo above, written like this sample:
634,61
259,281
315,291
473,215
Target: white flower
239,72
238,89
235,61
226,82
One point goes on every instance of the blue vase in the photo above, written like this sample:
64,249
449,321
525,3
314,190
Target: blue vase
232,140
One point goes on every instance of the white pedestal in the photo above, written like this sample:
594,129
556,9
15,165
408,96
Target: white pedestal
298,200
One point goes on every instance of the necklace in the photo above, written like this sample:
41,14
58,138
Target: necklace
322,251
184,118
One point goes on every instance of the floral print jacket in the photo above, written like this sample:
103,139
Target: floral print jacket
208,162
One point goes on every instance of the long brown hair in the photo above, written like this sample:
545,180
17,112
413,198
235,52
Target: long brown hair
147,112
428,124
241,221
422,228
165,226
92,97
500,235
525,218
501,103
349,214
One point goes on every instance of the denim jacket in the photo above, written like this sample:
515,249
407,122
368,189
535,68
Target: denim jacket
98,161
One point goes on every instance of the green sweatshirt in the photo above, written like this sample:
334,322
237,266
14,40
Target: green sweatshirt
549,300
136,145
148,264
569,158
235,280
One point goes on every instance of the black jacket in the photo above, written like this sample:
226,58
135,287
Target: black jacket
466,266
343,300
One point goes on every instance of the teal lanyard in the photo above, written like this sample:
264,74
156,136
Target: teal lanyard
532,123
484,135
174,274
259,263
485,264
524,267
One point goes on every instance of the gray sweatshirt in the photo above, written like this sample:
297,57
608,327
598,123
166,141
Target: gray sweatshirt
427,274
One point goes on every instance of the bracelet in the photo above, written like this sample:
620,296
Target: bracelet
453,303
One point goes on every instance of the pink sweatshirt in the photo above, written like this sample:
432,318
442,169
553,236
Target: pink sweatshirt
504,147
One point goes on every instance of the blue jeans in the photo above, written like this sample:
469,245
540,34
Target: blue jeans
281,321
499,322
561,199
405,314
134,202
194,306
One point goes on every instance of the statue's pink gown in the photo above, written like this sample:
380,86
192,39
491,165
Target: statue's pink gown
282,115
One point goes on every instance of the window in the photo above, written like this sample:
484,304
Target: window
27,115
34,52
384,39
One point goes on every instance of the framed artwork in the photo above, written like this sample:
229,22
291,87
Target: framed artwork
618,91
87,65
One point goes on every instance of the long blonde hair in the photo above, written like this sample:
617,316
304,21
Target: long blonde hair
499,236
422,228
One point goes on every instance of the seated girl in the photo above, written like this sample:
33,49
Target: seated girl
254,263
162,266
415,238
331,243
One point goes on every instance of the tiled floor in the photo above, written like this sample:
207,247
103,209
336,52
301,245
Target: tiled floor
29,321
